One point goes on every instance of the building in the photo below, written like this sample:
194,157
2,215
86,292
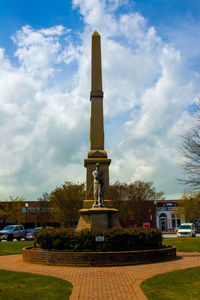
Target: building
146,211
167,217
29,213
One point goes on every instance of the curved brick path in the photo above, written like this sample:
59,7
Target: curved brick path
100,283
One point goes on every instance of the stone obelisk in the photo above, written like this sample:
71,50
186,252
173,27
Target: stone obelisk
101,217
97,154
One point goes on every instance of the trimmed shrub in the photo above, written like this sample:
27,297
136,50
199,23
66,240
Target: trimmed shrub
115,239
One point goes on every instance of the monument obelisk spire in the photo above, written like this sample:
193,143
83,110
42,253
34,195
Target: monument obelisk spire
96,97
96,72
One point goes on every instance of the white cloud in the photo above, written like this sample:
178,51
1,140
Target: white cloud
40,51
56,30
42,127
45,121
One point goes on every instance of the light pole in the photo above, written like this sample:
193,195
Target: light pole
155,205
26,205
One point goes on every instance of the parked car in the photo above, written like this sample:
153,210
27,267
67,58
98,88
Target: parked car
146,225
31,234
12,232
28,230
186,229
133,226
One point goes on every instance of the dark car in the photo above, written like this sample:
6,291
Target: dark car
29,230
31,234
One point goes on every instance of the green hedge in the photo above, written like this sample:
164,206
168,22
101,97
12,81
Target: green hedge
115,239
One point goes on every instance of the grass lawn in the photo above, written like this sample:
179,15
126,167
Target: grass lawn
184,244
176,285
7,248
179,285
25,286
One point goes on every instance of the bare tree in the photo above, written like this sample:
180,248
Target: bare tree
118,192
44,209
130,198
189,206
190,148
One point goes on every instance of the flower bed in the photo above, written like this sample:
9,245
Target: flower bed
115,239
112,247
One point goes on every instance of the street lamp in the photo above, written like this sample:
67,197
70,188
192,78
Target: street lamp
26,206
155,215
150,215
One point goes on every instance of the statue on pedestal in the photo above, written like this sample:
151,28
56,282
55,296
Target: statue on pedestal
98,186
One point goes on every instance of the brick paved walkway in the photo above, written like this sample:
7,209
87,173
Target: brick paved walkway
100,283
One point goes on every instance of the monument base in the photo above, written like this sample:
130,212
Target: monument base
90,203
98,218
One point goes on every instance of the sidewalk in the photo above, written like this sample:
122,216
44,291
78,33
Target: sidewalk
101,283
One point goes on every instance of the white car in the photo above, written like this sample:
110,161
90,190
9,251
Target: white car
11,232
186,229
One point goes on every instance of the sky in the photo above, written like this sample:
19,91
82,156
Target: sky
151,82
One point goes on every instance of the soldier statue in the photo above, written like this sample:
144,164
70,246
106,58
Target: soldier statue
98,186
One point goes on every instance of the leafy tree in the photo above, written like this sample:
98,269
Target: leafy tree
189,206
12,210
190,148
4,212
67,200
129,198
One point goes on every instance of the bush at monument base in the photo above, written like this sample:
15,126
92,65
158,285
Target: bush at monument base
115,239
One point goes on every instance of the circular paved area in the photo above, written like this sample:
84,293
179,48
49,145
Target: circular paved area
103,283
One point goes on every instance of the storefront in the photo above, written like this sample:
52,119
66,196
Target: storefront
167,216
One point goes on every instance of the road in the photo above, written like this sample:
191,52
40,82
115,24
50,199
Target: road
173,235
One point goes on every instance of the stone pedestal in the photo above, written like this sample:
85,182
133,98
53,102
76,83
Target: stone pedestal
97,218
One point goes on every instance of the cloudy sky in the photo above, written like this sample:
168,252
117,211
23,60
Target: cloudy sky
151,81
